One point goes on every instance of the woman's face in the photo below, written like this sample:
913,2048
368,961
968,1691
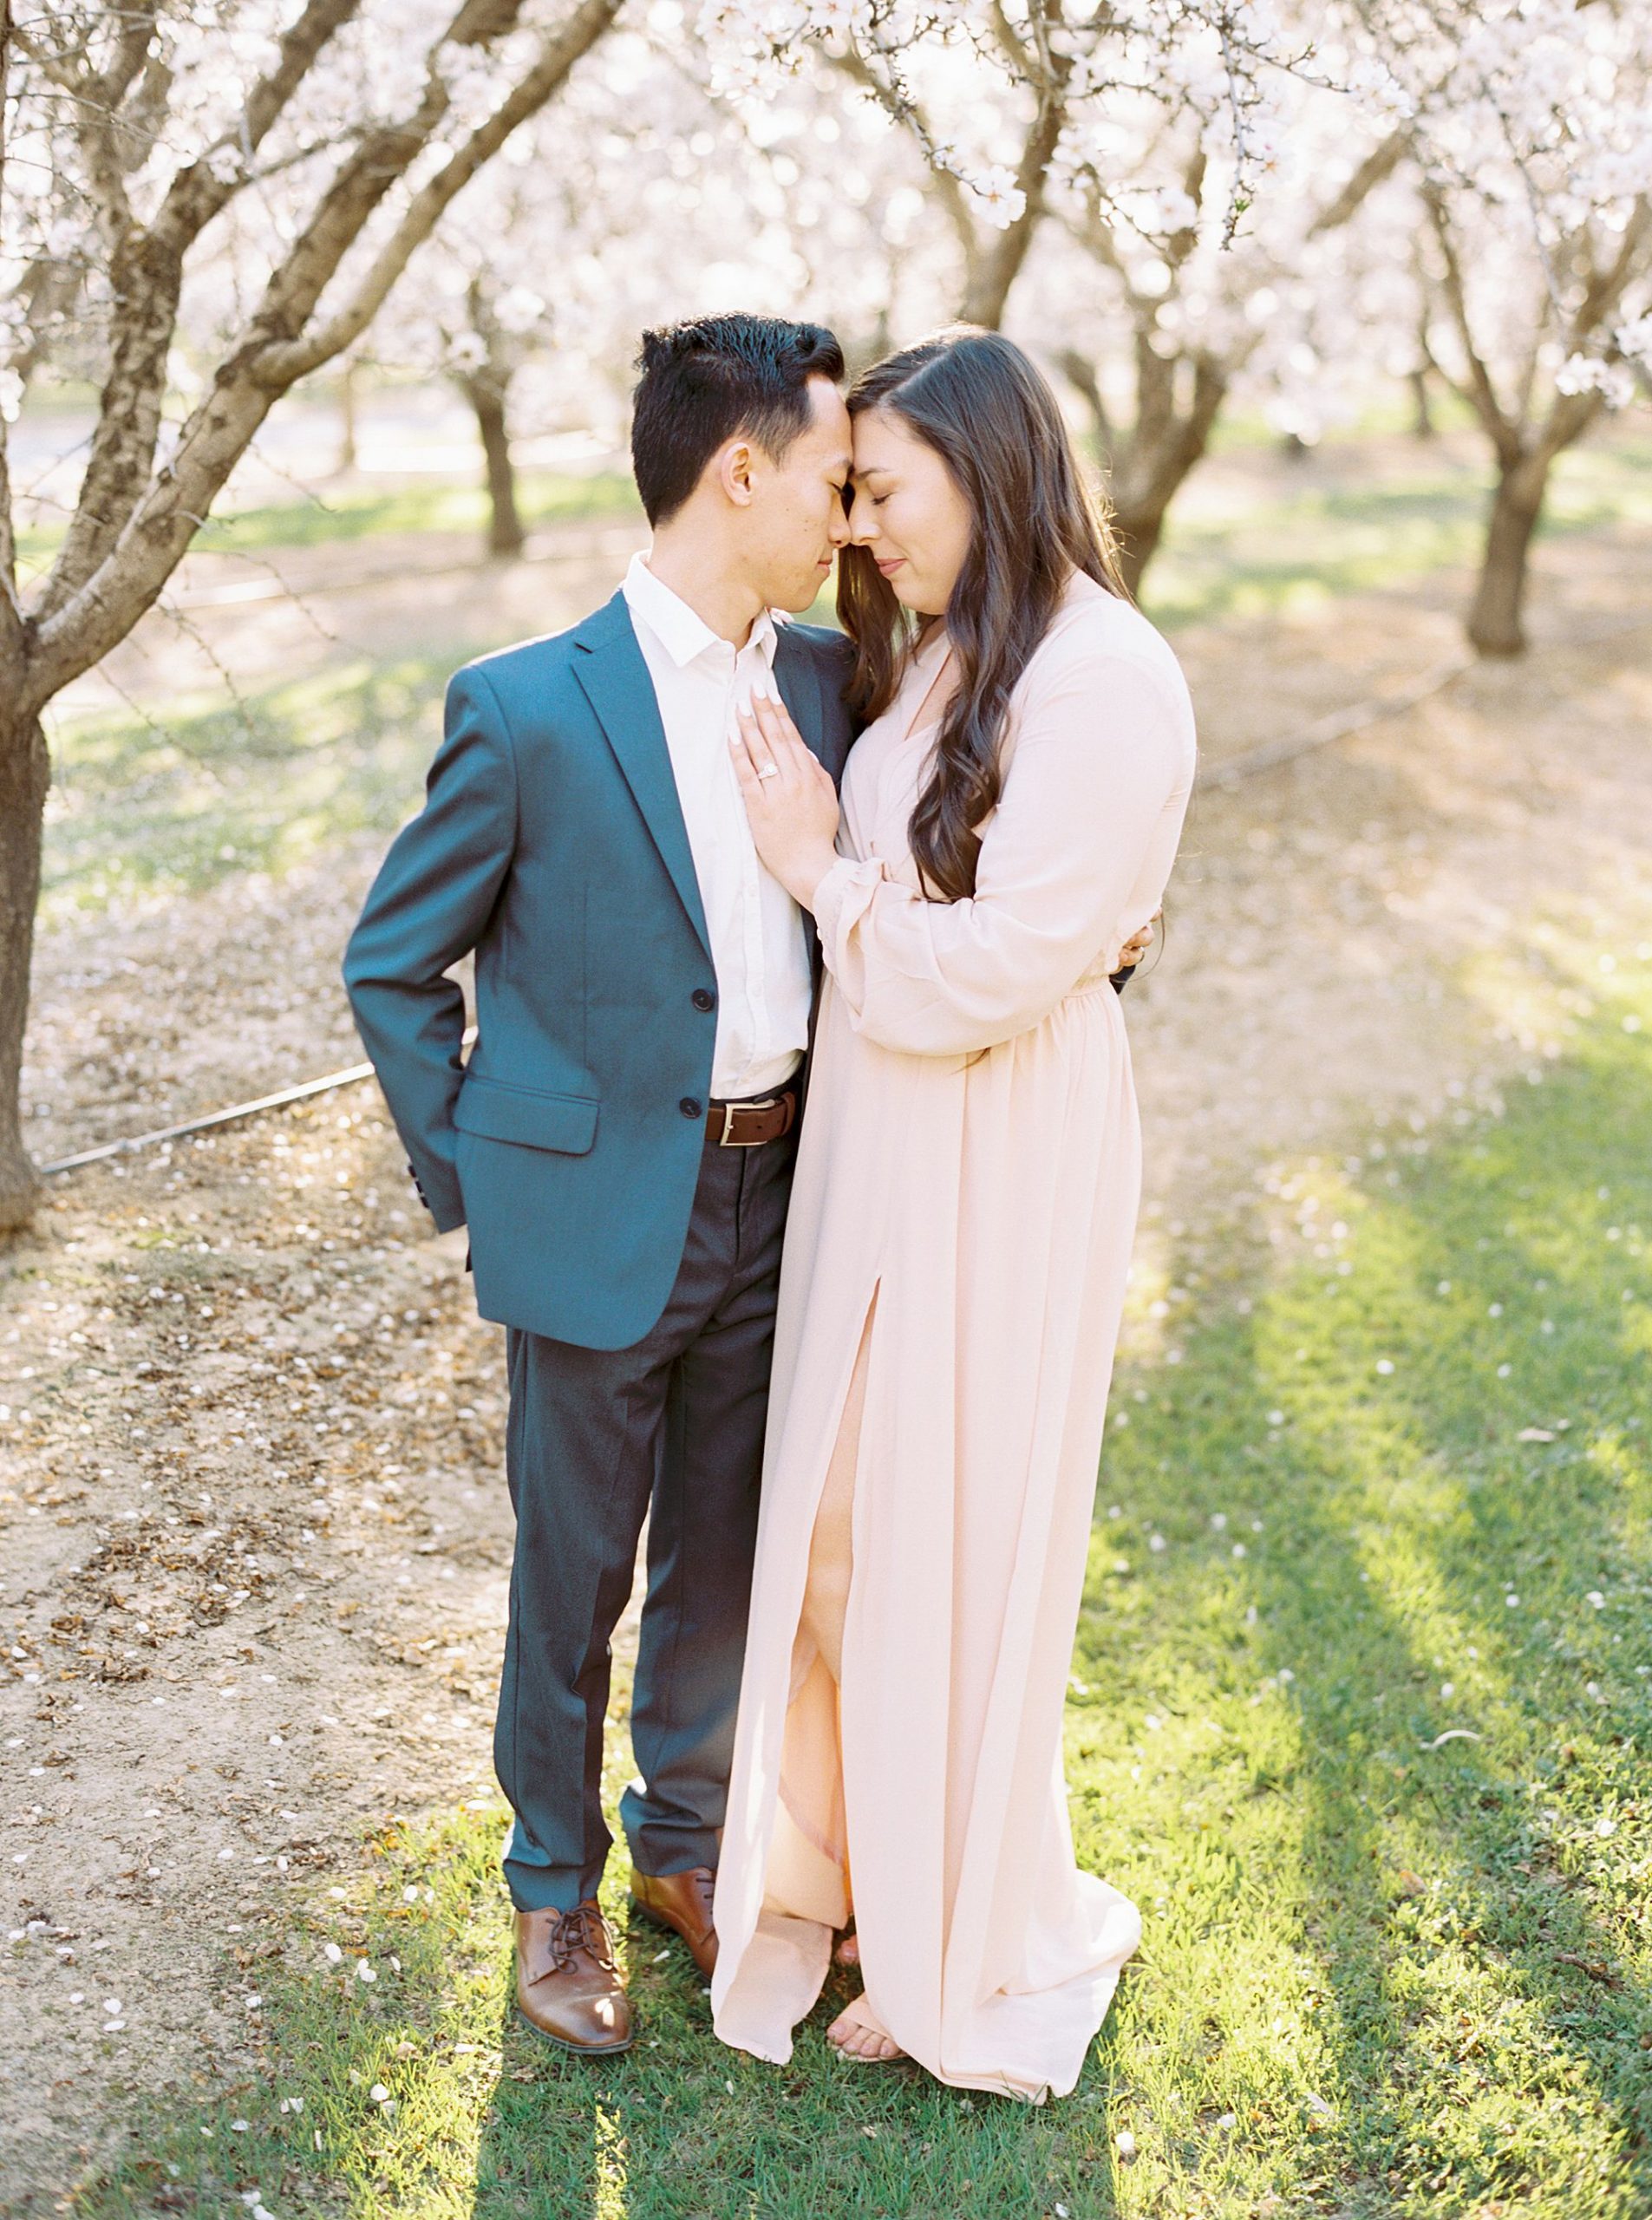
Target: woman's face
908,511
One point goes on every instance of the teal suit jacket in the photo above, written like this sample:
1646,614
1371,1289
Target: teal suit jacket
551,844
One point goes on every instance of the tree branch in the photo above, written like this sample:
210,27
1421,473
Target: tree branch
76,631
998,264
11,615
1378,166
901,107
278,366
146,275
131,52
1570,416
1479,391
1010,41
1606,287
1181,244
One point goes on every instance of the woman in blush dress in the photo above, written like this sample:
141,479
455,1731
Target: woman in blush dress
960,1231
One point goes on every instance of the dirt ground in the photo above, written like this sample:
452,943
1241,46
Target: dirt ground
254,1537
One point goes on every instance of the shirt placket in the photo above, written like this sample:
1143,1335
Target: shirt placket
748,669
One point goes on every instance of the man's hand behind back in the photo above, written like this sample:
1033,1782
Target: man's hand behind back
1137,946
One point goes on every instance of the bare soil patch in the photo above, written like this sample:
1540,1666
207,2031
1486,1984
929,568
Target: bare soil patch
254,1535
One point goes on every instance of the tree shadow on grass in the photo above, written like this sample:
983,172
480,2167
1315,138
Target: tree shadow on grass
685,2129
1384,1973
1409,1970
261,784
1325,541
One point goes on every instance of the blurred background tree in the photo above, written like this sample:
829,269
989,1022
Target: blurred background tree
1186,207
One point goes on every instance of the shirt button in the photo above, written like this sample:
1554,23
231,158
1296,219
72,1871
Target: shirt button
690,1109
703,998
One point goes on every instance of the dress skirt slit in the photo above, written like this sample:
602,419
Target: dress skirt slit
961,1224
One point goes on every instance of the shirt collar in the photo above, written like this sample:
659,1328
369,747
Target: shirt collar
680,631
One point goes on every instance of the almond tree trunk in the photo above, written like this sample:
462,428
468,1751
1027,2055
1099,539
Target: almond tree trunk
347,449
1138,527
487,394
135,514
1524,444
1495,620
1422,413
25,773
1175,417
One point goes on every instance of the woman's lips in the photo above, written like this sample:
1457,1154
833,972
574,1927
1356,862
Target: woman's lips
889,565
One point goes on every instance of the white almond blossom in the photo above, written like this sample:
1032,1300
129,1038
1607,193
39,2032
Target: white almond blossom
1002,200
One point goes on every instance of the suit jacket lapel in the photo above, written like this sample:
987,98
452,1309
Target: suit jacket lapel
798,678
615,682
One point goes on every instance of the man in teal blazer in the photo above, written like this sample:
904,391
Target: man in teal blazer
620,1143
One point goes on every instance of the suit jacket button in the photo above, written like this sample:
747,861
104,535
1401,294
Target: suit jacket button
690,1109
704,999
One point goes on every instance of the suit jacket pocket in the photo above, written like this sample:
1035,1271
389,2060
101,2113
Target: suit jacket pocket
526,1115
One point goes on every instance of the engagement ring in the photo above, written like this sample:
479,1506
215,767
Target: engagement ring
769,771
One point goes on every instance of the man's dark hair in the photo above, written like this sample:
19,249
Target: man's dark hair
714,375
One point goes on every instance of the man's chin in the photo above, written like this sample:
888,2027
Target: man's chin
801,598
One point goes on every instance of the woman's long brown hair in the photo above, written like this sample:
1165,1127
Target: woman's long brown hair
984,408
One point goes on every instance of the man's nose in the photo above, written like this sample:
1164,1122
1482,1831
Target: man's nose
840,526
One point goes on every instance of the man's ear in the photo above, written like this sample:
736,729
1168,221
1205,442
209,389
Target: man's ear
734,469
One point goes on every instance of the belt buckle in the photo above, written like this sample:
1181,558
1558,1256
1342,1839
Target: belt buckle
725,1139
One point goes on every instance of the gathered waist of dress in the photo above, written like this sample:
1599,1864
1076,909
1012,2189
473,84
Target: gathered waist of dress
1100,975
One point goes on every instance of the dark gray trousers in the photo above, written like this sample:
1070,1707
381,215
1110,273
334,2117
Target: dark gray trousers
595,1438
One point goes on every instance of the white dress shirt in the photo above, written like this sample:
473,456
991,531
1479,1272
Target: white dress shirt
759,937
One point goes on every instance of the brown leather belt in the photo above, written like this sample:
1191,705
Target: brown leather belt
746,1125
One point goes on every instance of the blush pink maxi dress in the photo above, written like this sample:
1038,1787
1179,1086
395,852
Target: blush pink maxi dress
960,1233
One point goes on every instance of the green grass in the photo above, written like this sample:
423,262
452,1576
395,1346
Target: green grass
1304,549
178,800
140,806
1382,1973
543,497
1442,1942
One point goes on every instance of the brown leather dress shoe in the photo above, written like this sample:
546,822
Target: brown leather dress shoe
683,1902
567,1983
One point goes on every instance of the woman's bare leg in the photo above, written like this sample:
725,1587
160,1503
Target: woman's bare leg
826,1601
825,1593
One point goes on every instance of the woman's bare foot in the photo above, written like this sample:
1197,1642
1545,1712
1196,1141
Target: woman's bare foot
848,1950
854,2034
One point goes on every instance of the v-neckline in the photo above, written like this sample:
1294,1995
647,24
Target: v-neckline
913,727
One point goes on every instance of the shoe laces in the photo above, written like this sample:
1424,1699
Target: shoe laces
582,1929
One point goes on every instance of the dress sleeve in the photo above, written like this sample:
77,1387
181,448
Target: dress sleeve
1102,748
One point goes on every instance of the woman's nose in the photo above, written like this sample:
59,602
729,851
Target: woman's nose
862,530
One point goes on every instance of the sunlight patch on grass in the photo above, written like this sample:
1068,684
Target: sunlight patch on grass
543,498
1470,1906
1246,559
1387,1969
149,806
